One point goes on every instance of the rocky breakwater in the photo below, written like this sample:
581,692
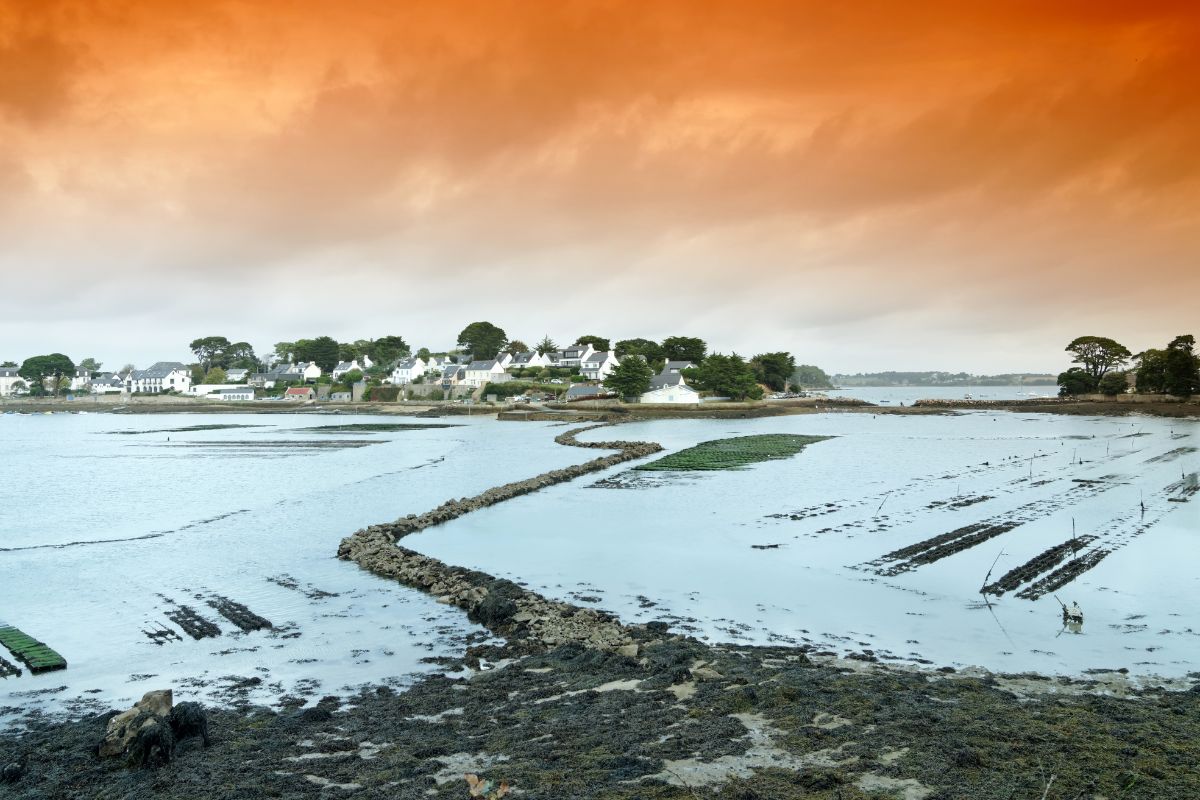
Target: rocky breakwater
519,615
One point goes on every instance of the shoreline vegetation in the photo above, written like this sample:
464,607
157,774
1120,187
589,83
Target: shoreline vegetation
613,411
572,702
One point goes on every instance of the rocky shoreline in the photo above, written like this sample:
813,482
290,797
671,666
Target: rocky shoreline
574,703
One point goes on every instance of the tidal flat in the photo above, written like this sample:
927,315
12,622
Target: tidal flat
866,548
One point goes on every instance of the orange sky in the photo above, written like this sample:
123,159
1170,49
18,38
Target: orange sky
871,185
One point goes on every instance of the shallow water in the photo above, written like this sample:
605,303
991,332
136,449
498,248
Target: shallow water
101,535
683,548
895,395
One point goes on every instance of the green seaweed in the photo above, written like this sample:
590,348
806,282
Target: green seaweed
34,654
734,453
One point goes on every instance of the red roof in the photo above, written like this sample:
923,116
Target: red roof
299,390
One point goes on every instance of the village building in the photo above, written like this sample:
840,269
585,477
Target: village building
571,357
479,373
236,375
529,360
236,393
107,383
345,367
10,381
670,387
599,365
407,370
583,391
299,393
452,375
164,376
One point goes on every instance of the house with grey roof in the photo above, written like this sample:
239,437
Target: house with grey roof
479,373
107,383
670,387
452,375
236,393
10,381
530,360
236,375
406,371
345,367
584,391
572,357
163,376
599,364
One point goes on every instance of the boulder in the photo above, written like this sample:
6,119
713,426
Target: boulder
146,735
124,727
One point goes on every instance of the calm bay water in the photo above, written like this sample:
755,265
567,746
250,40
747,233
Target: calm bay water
109,522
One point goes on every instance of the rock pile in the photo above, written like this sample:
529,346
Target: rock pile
452,509
499,605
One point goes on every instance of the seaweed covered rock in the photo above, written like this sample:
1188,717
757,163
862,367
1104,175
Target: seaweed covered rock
147,734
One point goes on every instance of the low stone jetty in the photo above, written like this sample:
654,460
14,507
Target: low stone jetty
501,606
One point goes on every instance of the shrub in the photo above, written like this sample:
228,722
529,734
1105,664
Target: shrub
383,394
1113,383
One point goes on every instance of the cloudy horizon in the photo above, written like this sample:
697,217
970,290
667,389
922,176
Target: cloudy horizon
930,186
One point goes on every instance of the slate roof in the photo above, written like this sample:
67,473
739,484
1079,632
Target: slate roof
408,363
667,379
579,391
482,365
675,366
160,369
598,357
523,358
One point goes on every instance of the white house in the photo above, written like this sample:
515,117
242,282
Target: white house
164,376
407,371
478,373
434,365
530,360
505,359
8,380
599,365
344,367
573,356
81,381
107,383
236,393
309,370
668,387
236,375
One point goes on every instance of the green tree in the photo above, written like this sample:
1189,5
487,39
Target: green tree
1152,371
210,350
1113,383
423,354
1076,380
387,350
650,350
726,376
90,364
773,369
352,377
323,351
1098,355
516,346
1181,369
546,345
285,352
215,375
482,339
239,355
9,364
46,373
631,378
810,377
597,342
684,348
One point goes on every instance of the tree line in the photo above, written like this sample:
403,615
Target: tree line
1174,369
